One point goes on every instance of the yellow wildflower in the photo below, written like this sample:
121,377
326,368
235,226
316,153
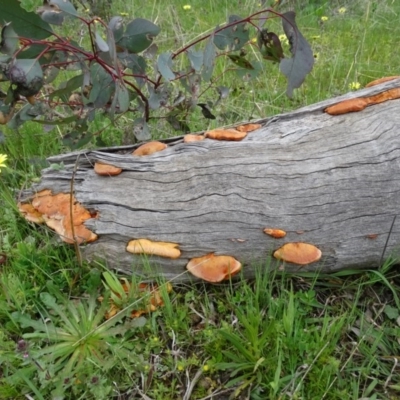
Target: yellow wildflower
3,158
342,10
354,85
206,368
324,18
187,7
181,367
283,39
123,14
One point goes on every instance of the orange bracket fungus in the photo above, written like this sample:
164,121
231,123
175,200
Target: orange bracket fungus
225,134
30,213
248,127
358,104
275,233
162,249
212,268
382,80
106,169
192,138
149,148
298,253
62,213
347,106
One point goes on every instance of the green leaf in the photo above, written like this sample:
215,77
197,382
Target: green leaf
240,61
102,86
26,24
62,5
116,27
138,35
296,68
391,312
164,66
101,43
209,59
269,45
196,58
122,95
233,37
66,88
159,97
141,129
9,39
27,74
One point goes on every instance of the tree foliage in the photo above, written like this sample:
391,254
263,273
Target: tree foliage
54,79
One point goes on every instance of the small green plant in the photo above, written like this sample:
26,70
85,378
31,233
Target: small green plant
71,342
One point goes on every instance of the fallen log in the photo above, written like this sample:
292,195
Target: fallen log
332,181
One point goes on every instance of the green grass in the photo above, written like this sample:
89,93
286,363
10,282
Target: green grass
277,337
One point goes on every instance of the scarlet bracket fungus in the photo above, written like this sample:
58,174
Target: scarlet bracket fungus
382,80
149,148
162,249
298,253
212,268
275,233
106,169
248,127
30,213
192,138
55,210
225,134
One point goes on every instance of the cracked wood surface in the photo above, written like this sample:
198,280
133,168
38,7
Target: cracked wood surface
332,181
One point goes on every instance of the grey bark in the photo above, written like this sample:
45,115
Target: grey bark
331,181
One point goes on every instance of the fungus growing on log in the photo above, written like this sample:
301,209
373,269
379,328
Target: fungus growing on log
225,134
30,213
149,148
382,80
275,233
248,127
162,249
55,211
192,138
212,268
106,169
347,106
298,253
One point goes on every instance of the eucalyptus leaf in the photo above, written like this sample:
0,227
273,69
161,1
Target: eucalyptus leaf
101,43
138,35
209,59
9,39
116,25
296,68
164,66
141,129
24,23
196,58
233,37
27,75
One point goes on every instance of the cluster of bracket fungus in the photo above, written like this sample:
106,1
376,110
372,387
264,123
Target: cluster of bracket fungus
162,249
275,233
212,268
298,253
231,134
359,103
149,148
192,138
62,213
106,169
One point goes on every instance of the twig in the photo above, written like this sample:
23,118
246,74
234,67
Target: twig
387,241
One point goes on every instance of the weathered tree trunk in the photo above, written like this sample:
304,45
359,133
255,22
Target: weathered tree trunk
332,181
